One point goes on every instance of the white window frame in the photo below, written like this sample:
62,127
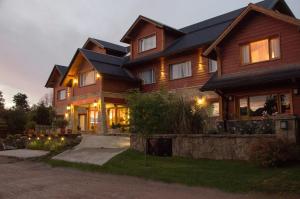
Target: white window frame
82,83
60,96
210,65
143,42
152,76
181,66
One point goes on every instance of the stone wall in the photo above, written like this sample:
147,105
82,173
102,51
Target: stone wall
219,147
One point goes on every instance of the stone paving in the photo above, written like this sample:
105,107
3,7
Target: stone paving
23,153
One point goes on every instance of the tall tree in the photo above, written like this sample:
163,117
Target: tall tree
2,101
21,102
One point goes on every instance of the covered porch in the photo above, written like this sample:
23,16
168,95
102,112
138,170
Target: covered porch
97,116
262,101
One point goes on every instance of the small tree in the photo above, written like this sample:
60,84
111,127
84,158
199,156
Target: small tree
2,101
42,114
21,102
148,114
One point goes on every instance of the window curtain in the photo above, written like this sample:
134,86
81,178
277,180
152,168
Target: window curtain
147,76
245,54
275,48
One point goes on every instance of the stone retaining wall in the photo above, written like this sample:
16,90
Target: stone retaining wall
219,147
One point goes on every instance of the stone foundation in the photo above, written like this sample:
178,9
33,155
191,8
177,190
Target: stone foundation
219,147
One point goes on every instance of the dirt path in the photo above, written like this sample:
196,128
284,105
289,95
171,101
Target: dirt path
25,179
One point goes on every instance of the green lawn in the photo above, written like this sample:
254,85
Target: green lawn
231,176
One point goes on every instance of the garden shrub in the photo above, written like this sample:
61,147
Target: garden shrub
17,141
162,112
274,153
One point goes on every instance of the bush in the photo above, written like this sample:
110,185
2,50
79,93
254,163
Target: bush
30,125
274,153
162,112
60,123
18,141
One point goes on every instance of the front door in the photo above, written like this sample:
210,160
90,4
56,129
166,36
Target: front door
82,122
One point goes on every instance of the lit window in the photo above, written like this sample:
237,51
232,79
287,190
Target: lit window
93,117
147,76
87,78
61,94
259,51
212,65
215,109
147,43
180,70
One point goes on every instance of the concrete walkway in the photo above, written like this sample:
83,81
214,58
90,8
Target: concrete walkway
95,149
23,153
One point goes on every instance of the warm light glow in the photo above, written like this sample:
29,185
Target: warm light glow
29,138
162,68
62,139
201,101
95,104
200,61
66,115
68,108
38,138
75,81
98,76
49,138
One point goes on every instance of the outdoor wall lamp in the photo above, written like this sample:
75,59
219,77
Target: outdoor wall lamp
284,124
295,91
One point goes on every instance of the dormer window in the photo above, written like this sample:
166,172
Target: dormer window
259,51
147,43
212,65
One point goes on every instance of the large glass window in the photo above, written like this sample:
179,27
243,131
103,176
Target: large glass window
147,43
264,104
259,51
87,78
61,94
181,70
212,65
147,76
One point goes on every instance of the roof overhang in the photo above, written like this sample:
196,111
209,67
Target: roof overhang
126,38
51,81
247,10
253,78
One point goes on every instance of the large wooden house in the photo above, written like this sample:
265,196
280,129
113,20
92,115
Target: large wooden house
236,62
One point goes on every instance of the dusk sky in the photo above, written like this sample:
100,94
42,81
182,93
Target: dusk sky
35,34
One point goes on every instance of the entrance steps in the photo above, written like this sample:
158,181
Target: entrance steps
103,141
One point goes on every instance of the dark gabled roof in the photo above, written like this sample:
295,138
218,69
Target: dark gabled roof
112,46
62,71
252,78
202,33
107,64
125,38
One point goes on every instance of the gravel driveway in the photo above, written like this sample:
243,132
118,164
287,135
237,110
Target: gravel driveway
26,179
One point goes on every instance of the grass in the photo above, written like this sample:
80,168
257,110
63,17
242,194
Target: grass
230,176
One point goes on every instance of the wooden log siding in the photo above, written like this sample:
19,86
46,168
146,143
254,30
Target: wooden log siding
254,27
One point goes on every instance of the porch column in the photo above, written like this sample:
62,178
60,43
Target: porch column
72,119
102,117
